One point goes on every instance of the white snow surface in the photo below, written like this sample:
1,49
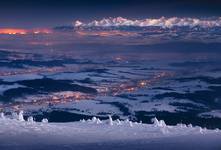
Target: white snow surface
16,133
20,77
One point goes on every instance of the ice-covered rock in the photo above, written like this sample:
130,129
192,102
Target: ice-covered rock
202,130
44,120
110,120
83,121
20,116
131,124
118,122
96,120
30,119
158,123
190,126
2,116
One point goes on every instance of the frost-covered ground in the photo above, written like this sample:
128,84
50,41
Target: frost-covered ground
15,133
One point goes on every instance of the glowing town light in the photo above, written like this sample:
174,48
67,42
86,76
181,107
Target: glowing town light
142,83
118,58
36,32
131,89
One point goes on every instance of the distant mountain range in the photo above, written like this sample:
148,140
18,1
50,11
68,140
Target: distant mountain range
174,23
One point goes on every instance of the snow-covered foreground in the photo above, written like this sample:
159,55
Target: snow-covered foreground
16,133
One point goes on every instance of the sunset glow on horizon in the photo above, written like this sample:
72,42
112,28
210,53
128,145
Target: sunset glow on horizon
19,31
12,31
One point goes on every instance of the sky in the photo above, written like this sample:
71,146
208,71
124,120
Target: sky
50,13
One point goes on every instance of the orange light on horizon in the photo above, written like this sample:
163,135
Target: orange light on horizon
14,31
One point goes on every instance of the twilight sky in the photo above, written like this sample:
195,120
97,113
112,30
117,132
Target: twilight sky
49,13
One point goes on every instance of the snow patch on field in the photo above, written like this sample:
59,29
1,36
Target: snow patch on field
211,114
20,77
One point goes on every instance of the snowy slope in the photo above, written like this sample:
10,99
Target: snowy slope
15,133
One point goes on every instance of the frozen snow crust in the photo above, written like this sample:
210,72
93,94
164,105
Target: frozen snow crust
15,132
